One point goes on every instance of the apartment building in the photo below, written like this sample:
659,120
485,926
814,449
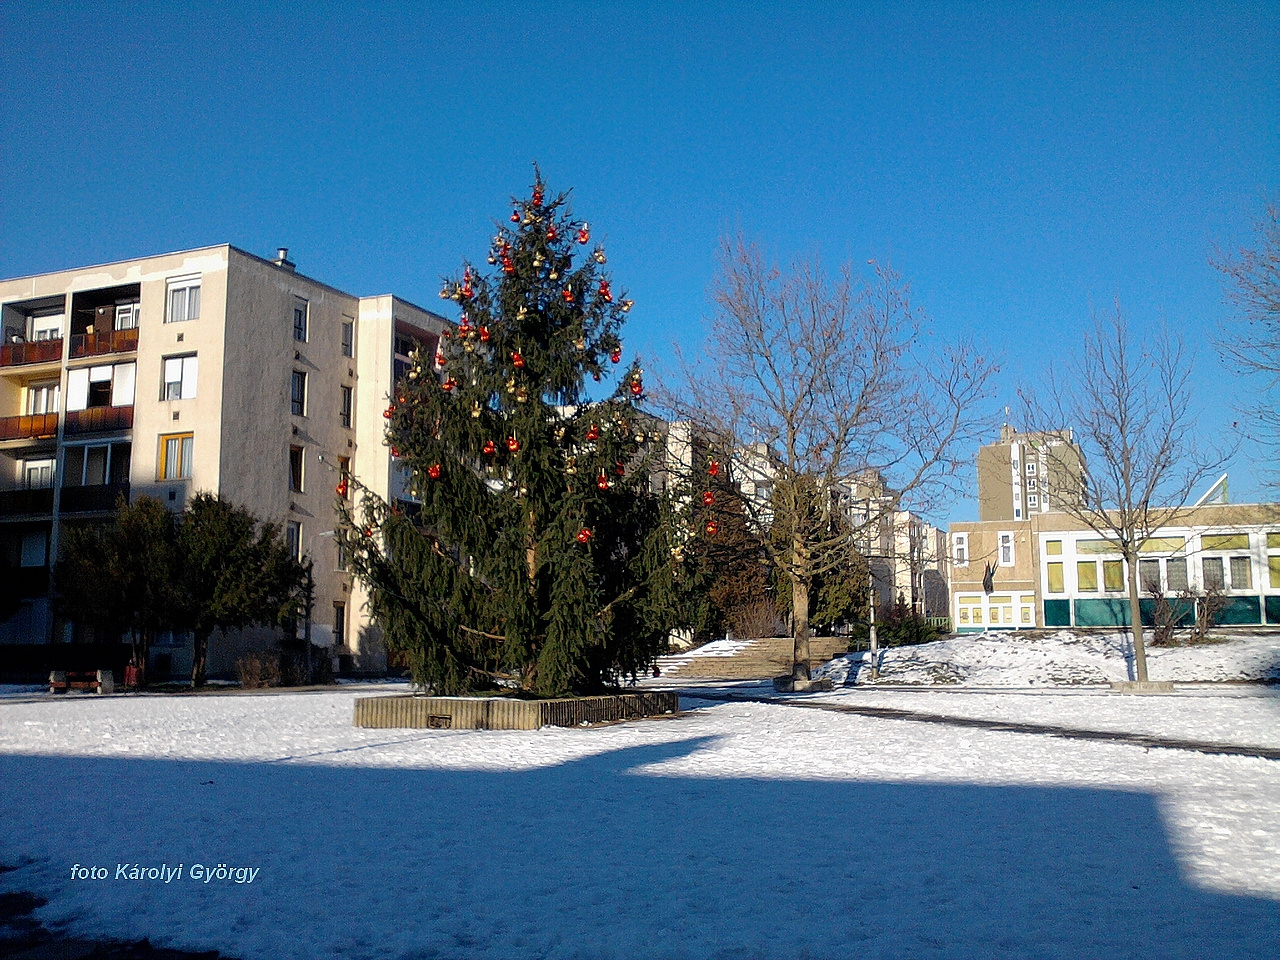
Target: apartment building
1025,474
208,370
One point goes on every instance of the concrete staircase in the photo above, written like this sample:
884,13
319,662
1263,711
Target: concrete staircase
746,659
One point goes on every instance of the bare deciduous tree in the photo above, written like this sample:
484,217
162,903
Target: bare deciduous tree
1129,406
809,383
1252,341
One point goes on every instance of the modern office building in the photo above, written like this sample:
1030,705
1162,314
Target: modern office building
208,370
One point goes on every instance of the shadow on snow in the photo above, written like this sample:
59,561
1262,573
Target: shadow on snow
598,858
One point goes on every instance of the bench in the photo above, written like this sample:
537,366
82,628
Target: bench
99,681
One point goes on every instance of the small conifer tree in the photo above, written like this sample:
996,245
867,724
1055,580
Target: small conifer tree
531,550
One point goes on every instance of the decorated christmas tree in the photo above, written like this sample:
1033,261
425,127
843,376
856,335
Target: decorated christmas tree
532,551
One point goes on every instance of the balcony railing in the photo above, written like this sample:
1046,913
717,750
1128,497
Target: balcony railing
96,344
16,503
97,419
34,351
36,426
86,499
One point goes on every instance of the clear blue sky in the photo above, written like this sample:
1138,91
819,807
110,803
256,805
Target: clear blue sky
1020,164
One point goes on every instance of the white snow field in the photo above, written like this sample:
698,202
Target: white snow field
735,830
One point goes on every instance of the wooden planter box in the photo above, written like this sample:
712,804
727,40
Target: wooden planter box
500,713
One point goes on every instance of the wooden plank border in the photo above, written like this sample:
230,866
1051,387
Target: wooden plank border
501,713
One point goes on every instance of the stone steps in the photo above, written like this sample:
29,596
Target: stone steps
760,659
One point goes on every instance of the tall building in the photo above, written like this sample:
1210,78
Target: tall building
208,370
1026,474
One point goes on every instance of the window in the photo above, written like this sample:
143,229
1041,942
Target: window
1031,482
1225,541
127,316
1056,584
293,539
295,469
175,456
45,325
342,558
1006,549
183,300
1211,568
1033,501
1241,574
1273,566
344,416
298,394
179,378
1087,576
1113,575
34,550
43,397
340,624
1053,548
1176,574
348,337
300,308
97,464
960,549
344,477
102,386
37,474
1031,470
1149,576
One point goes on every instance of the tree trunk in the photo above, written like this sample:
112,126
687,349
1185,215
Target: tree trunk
800,628
199,657
1135,621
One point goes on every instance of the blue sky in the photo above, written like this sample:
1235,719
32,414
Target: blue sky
1021,164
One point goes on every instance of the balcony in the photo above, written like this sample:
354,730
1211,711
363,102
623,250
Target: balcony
93,499
99,419
97,344
36,426
17,503
32,351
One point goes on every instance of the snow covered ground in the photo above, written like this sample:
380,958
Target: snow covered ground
1015,659
734,830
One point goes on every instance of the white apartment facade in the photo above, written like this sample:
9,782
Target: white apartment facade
207,370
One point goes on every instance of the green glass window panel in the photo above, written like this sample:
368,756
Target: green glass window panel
1273,541
1096,546
1273,564
1164,545
1053,548
1225,541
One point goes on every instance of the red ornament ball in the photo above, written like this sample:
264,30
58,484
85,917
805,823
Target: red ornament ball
389,411
603,482
712,527
584,535
433,471
513,444
552,233
515,216
517,360
714,469
616,356
489,448
637,388
708,498
584,234
341,489
484,334
593,432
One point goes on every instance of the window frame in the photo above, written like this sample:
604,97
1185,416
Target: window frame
181,359
1005,538
186,456
301,311
297,469
185,285
346,406
348,338
293,539
960,549
298,393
